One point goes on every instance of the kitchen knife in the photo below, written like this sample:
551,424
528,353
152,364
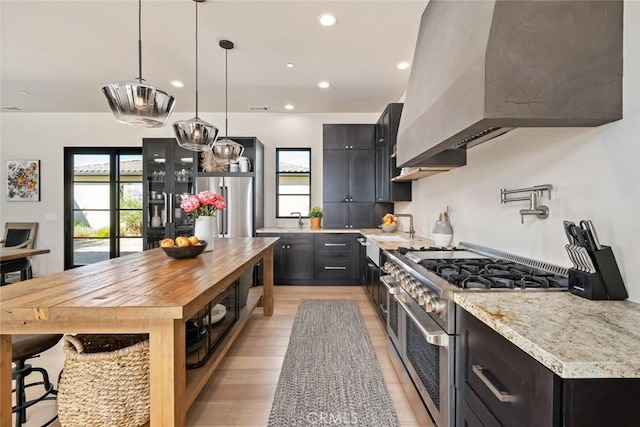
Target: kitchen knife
587,225
578,237
572,256
584,255
567,227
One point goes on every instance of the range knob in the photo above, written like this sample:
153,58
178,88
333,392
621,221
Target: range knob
414,288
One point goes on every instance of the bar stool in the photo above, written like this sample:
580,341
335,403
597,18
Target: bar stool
24,347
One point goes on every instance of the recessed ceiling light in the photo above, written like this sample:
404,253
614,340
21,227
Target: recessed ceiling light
24,92
289,107
290,65
327,20
177,83
323,85
403,65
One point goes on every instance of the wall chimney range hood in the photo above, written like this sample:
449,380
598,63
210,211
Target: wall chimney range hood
483,68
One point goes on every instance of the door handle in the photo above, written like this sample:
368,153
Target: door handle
502,396
438,338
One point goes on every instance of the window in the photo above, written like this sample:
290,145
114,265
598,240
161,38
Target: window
103,204
293,182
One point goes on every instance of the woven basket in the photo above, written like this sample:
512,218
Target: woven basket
105,381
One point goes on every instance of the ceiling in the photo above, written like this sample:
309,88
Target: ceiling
63,52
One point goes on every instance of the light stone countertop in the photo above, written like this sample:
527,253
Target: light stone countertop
416,243
572,336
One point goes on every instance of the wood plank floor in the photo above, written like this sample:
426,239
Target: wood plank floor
241,391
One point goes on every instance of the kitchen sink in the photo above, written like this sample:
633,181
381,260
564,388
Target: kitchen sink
389,238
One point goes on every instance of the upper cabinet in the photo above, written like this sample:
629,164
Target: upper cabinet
168,172
386,132
349,175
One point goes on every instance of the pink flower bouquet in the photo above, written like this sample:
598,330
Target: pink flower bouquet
204,203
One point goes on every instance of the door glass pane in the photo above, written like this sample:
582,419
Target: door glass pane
129,246
91,167
88,251
91,195
130,223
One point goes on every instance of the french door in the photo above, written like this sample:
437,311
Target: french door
103,204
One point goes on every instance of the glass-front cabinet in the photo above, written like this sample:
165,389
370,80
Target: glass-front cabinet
169,174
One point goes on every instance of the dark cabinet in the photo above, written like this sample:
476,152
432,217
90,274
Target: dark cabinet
316,258
386,134
348,136
349,176
168,173
497,384
293,257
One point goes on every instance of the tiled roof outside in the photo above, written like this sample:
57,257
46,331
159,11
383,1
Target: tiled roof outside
288,167
128,167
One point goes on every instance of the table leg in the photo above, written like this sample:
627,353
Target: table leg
267,289
167,373
5,380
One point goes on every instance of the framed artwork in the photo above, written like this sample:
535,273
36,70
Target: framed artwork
23,180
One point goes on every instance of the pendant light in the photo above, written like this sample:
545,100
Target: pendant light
136,103
225,150
195,134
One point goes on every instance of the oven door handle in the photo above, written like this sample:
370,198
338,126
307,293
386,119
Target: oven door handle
436,337
393,290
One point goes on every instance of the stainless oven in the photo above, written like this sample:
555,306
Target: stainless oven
392,288
426,351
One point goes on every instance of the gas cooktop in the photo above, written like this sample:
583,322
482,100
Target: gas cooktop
469,270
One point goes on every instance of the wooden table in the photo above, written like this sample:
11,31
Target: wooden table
146,292
7,254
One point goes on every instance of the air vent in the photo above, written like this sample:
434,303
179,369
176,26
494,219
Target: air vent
9,108
259,108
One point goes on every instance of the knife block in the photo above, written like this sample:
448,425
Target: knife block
605,284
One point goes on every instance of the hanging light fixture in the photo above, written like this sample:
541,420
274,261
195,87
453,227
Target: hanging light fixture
195,134
136,103
226,150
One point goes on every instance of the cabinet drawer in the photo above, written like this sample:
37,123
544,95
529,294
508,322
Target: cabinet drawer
336,268
335,244
515,388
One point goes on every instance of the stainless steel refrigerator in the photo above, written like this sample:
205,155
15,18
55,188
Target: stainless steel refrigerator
238,219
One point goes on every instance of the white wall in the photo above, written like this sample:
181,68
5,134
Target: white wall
595,173
43,136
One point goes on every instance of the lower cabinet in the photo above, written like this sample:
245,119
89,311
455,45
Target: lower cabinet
316,258
497,384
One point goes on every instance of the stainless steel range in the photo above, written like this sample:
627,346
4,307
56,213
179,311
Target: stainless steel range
421,311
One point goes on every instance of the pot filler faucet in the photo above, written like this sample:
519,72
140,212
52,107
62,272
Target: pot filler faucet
300,223
412,232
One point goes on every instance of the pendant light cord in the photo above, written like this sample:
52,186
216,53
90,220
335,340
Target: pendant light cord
140,79
226,93
196,2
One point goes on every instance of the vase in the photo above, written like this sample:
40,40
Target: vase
156,221
442,233
314,223
206,228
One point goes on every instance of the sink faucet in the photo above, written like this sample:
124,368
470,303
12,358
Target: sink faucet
412,232
300,223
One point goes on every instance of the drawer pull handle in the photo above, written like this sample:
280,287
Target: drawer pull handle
335,268
502,396
335,244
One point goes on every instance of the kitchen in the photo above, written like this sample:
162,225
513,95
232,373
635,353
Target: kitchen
594,172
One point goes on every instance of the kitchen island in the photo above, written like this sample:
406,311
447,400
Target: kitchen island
147,292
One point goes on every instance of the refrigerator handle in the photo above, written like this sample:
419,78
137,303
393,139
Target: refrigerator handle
170,212
166,206
225,215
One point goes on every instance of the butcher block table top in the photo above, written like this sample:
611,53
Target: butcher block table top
7,254
146,292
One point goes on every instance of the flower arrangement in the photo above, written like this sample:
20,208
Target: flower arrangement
389,219
204,203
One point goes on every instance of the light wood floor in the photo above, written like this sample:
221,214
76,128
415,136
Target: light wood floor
241,391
